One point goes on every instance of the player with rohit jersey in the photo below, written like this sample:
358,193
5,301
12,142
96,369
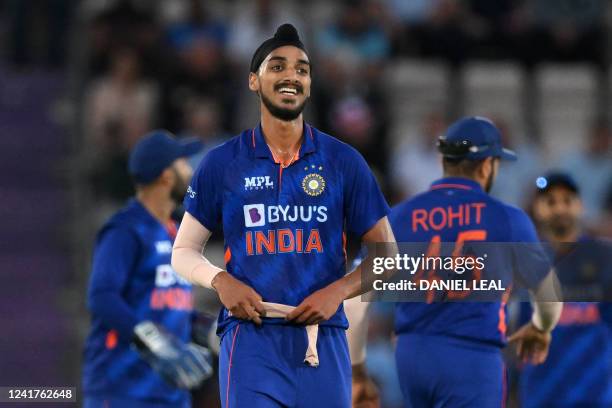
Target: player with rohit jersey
577,372
284,193
138,353
448,353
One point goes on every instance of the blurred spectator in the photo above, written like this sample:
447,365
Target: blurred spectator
445,35
569,30
414,12
357,38
514,177
498,29
197,26
349,101
202,67
120,24
592,168
416,163
254,22
202,120
120,108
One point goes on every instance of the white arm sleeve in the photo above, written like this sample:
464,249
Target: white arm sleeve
187,258
357,333
546,303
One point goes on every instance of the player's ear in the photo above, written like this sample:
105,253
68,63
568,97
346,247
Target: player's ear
486,168
253,82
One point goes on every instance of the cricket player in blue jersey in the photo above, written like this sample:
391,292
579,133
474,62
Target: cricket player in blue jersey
284,194
577,372
138,352
448,353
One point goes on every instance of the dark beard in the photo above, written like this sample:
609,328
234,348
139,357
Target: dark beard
283,114
177,194
561,227
489,183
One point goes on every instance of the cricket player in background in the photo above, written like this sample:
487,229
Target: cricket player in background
284,193
448,353
138,353
577,372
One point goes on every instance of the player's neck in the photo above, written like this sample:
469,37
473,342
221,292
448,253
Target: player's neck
157,203
282,136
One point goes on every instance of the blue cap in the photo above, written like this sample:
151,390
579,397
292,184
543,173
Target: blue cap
155,152
556,178
473,138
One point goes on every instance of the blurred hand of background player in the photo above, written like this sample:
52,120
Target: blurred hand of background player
184,365
240,299
319,306
364,391
531,344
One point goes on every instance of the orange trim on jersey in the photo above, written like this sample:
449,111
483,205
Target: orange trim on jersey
501,325
310,132
227,256
253,137
344,245
449,185
171,229
111,339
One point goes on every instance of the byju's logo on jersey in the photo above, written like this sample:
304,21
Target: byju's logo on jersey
258,183
257,215
254,215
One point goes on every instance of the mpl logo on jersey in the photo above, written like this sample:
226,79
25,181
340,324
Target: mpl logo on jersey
283,240
258,183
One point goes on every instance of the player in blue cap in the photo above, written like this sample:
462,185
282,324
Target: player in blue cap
448,351
138,352
284,194
577,372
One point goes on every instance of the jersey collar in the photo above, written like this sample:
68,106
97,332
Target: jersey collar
261,149
456,183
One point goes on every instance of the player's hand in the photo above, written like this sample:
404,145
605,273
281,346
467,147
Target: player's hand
240,299
319,306
531,344
364,391
184,365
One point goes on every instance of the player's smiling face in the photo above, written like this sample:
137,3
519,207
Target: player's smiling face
283,82
559,209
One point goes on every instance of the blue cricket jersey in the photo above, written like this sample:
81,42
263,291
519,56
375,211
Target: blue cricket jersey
131,281
458,210
578,370
284,227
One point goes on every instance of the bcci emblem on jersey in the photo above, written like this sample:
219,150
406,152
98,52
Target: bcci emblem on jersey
313,184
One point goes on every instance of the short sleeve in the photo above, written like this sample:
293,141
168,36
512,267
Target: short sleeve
203,199
530,260
364,204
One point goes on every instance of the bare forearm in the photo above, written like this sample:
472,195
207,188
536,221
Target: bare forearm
187,258
194,267
546,303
